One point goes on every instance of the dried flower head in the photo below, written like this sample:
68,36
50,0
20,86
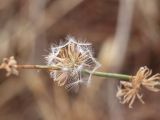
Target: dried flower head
129,91
10,65
72,58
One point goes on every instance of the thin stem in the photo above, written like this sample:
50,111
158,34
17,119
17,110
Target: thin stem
100,74
37,67
110,75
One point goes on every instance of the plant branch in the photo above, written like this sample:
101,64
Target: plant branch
100,74
110,75
37,67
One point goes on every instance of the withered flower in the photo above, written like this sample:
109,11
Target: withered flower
151,82
71,57
129,91
10,65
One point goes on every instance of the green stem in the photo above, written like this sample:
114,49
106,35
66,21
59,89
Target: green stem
110,75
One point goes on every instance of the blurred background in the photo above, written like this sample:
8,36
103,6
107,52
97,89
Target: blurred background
125,36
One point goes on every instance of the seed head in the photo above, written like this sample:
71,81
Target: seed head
72,58
10,65
129,91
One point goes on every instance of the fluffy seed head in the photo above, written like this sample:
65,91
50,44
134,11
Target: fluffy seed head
72,57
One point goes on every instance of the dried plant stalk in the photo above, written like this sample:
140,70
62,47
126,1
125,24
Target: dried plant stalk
70,63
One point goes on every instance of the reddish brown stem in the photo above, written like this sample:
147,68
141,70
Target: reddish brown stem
37,67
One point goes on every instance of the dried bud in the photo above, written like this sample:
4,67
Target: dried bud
128,91
10,65
72,58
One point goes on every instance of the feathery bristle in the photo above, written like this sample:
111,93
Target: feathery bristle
72,58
